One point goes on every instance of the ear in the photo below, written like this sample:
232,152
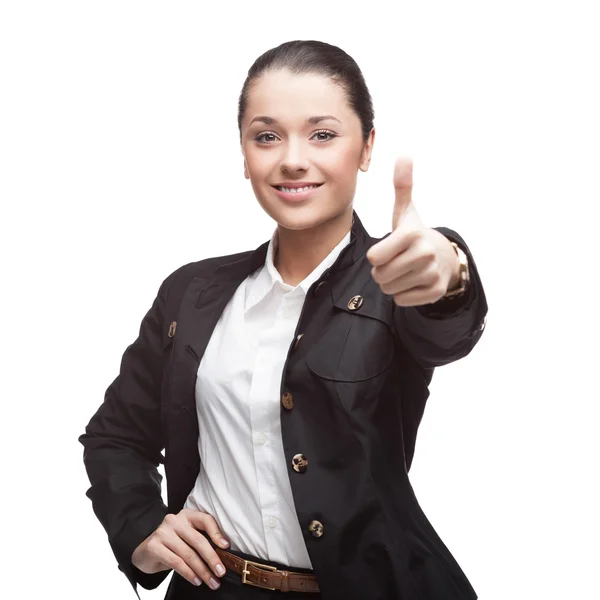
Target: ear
246,173
367,151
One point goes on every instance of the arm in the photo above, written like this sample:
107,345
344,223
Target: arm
440,333
122,449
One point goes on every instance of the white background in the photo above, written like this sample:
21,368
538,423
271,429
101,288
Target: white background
120,161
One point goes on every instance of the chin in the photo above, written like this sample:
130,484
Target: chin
295,219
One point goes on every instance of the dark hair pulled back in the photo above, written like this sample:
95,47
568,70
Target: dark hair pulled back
311,56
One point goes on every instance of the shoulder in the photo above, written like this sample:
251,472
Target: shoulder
201,269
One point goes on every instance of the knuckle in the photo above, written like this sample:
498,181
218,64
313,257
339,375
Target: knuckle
426,248
417,236
202,568
200,543
434,276
198,518
190,556
189,513
179,565
153,545
429,254
378,273
170,519
209,520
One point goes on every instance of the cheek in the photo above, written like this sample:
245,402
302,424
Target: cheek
258,160
343,166
256,164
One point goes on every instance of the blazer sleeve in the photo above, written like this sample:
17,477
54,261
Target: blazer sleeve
445,331
122,448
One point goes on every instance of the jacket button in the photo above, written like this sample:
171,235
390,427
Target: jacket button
172,329
355,302
300,463
316,528
319,287
288,401
297,340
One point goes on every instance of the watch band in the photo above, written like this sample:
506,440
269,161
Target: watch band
464,277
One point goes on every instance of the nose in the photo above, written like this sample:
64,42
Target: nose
295,156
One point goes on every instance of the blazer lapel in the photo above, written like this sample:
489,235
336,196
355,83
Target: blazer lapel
202,304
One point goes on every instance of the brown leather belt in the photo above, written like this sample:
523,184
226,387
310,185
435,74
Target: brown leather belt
267,577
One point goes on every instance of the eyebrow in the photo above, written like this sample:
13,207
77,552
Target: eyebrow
310,120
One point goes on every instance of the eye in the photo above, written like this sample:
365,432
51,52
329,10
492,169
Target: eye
325,132
261,138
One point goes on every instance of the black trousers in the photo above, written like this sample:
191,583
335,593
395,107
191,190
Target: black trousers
232,587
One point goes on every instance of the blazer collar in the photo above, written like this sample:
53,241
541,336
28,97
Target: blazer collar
240,269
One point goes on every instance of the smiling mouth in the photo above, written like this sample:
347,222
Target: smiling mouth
297,190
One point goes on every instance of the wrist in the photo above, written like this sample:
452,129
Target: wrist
459,279
455,275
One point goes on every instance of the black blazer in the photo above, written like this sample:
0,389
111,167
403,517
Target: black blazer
353,391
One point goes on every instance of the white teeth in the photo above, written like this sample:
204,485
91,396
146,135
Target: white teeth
296,190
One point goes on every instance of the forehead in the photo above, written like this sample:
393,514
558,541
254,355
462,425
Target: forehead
284,95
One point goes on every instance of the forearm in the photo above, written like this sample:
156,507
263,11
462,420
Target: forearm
126,497
122,448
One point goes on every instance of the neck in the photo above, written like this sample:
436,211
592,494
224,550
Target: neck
299,253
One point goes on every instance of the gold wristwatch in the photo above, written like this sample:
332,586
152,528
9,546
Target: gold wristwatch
464,277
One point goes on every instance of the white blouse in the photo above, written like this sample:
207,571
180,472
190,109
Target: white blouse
243,480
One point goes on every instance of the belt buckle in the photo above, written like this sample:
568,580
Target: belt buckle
245,573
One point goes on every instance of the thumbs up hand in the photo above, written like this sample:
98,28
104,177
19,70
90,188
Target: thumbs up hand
415,264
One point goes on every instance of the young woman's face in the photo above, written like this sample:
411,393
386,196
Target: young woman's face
281,146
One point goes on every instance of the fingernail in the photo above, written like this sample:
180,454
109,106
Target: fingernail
197,581
220,569
223,542
213,583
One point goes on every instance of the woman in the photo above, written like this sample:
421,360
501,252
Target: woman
286,384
